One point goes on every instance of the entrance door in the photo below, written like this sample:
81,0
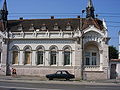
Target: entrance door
113,73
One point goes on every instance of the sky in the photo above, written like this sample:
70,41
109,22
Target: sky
32,9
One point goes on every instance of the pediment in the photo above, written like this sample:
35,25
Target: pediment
93,28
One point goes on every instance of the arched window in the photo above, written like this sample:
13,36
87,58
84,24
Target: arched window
27,55
53,55
91,55
40,55
67,56
15,53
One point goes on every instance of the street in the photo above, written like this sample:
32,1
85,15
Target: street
53,86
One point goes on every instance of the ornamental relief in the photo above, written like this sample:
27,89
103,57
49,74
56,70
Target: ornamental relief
92,36
42,41
42,35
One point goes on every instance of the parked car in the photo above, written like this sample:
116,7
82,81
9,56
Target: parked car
61,74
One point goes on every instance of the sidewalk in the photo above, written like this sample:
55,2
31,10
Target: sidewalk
36,79
28,78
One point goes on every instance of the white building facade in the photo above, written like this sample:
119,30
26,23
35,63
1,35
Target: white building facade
43,46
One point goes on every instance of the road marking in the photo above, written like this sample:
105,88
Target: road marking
99,87
8,87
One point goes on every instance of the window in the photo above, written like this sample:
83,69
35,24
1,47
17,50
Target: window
15,57
53,56
58,72
31,27
20,27
67,56
64,72
94,57
56,26
15,54
0,57
87,55
43,27
27,55
39,57
68,27
90,58
87,61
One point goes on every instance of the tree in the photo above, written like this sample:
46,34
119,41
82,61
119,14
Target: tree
113,52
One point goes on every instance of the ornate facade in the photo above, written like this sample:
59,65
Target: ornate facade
43,46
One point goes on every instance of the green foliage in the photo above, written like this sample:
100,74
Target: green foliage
113,52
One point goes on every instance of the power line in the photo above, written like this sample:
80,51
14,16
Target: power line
27,15
112,22
63,13
112,26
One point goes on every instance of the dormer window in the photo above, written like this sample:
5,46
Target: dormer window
43,27
68,27
32,27
20,27
56,26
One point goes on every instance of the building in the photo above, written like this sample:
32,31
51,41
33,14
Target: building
115,64
41,46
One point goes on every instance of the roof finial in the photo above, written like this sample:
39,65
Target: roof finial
5,5
90,4
90,10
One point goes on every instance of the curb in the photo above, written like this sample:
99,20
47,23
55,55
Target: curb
62,82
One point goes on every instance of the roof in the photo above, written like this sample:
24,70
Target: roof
1,26
38,23
115,60
50,23
90,21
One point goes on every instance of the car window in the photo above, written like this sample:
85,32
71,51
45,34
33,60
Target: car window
64,72
58,72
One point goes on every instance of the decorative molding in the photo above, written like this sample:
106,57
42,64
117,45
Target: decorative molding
42,41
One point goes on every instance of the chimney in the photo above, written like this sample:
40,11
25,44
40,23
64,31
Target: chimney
52,17
78,16
21,18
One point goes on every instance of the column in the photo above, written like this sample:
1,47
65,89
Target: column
34,58
61,58
21,58
101,60
46,58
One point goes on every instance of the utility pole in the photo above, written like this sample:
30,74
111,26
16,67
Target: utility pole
82,47
8,72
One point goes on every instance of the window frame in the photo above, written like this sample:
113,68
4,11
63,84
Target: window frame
67,49
91,61
28,49
15,49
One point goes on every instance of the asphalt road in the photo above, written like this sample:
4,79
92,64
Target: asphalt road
50,86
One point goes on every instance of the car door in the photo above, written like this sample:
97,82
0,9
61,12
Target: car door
64,74
58,74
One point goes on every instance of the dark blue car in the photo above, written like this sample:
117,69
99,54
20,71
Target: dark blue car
61,74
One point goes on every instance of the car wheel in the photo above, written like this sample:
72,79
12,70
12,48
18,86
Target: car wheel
67,79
